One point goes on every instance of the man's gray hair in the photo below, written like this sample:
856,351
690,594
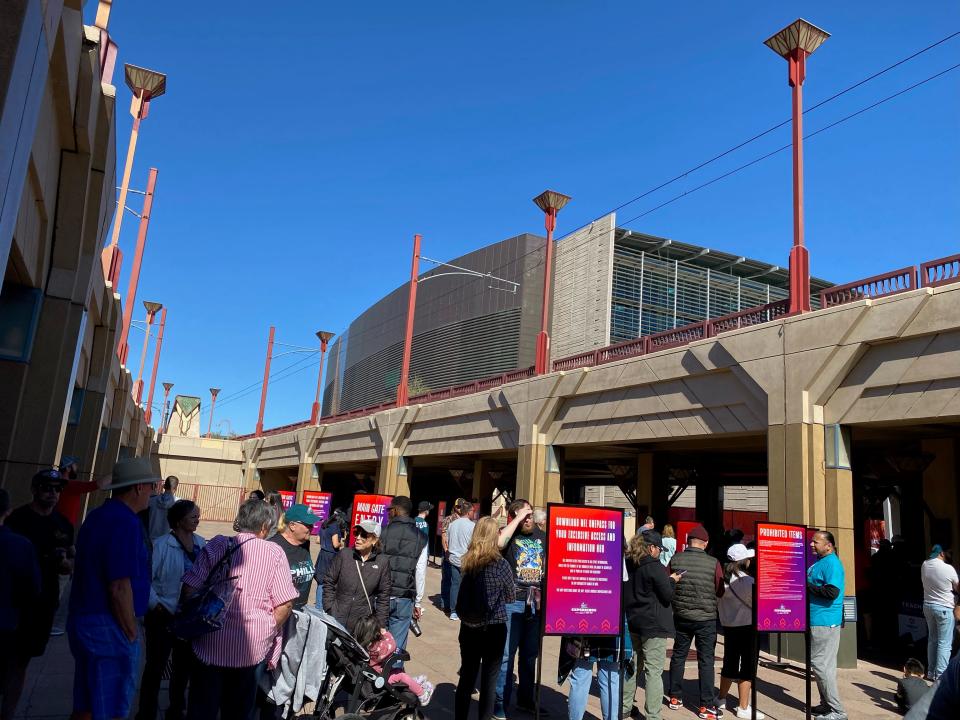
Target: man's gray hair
253,515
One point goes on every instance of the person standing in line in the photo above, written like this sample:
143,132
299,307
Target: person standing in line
445,571
110,595
524,546
739,633
157,524
423,509
275,500
405,549
825,585
20,590
294,540
52,537
695,619
173,555
229,661
357,584
647,604
458,540
669,539
486,586
330,545
940,582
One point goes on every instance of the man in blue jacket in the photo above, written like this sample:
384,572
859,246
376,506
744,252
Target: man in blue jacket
825,581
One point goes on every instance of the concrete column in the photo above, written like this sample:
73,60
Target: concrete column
309,477
941,480
389,479
802,490
645,484
483,486
535,483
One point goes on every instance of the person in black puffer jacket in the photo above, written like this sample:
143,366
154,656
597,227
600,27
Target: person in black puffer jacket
406,549
344,595
647,597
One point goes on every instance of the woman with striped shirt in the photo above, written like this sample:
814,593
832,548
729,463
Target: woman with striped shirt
228,661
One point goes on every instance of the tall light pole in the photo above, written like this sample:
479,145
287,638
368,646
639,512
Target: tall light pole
315,410
794,43
146,85
156,364
167,387
213,403
128,301
266,380
403,390
551,203
152,309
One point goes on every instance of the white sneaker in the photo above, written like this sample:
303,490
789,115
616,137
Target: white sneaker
747,713
454,616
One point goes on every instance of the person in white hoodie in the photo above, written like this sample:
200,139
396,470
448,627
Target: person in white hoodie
739,635
160,504
173,555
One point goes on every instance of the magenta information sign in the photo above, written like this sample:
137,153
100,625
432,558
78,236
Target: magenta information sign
583,589
319,504
781,577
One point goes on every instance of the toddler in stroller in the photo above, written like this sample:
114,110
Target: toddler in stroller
353,683
381,647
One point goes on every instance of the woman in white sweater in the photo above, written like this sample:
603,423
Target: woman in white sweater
739,635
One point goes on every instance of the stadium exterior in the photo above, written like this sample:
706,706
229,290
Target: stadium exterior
610,285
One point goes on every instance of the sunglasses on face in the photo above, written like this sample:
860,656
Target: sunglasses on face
363,534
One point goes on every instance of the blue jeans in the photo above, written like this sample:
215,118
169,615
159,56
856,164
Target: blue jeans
523,636
445,583
581,678
454,586
320,596
939,637
401,613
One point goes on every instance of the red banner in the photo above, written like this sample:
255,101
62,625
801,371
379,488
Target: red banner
287,498
441,514
370,507
683,527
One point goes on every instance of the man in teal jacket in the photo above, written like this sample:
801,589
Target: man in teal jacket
825,581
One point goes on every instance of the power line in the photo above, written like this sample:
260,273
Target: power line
789,145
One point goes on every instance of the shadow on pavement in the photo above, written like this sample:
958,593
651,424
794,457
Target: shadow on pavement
882,698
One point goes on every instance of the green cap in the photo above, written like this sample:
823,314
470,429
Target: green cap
301,514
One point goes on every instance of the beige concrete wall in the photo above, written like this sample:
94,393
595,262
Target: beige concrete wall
201,461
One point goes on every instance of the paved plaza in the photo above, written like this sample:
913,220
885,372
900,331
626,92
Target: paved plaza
866,691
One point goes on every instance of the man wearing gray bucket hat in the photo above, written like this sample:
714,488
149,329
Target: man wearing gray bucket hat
111,592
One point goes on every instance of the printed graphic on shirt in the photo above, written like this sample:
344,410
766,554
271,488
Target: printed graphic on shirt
302,573
529,560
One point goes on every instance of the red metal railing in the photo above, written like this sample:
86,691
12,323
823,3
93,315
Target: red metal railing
940,272
931,274
877,286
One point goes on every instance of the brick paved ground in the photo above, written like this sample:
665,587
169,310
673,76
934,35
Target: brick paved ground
867,691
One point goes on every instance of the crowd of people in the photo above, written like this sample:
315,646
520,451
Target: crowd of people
137,561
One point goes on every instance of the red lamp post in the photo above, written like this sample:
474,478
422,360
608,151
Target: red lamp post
213,403
122,347
167,387
315,410
152,309
794,43
266,380
156,364
403,390
146,85
551,203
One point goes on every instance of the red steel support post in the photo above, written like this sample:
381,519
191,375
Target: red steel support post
123,347
799,257
138,385
315,410
156,364
266,380
213,403
403,389
542,362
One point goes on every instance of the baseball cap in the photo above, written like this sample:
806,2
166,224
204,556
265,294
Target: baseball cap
425,506
935,552
301,513
739,551
652,537
698,532
51,476
369,526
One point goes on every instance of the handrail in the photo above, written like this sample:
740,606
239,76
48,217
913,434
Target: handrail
877,286
750,316
934,273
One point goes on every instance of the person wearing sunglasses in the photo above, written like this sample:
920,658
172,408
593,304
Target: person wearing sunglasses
294,540
357,584
52,536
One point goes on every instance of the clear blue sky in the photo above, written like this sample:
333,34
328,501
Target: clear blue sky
301,144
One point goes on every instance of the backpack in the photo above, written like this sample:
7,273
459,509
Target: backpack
204,611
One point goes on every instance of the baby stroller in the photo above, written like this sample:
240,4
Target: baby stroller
369,694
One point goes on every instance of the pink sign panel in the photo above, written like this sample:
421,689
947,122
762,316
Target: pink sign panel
582,594
287,498
319,504
370,507
781,578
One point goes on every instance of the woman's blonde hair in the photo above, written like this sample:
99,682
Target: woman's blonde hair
638,548
668,530
483,548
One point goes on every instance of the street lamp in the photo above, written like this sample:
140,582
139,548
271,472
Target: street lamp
551,203
167,387
146,85
156,364
794,43
152,309
324,337
213,403
123,347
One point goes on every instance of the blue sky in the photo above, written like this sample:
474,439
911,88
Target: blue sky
301,145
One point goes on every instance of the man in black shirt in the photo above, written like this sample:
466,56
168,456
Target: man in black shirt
524,547
294,540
